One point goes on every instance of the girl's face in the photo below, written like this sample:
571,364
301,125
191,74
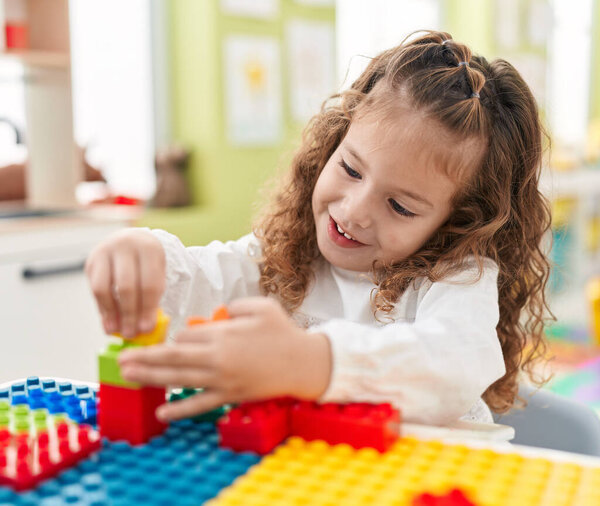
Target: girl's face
383,192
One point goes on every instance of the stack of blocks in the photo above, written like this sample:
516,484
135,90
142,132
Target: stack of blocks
127,410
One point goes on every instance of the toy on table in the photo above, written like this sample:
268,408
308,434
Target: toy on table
261,426
182,466
127,410
37,440
455,497
301,472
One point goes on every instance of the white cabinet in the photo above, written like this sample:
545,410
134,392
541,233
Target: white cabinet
49,323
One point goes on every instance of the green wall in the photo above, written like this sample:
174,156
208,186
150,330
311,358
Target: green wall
470,22
225,180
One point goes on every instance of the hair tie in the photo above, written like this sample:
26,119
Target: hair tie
463,63
444,41
474,95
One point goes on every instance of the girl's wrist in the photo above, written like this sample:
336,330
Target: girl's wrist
313,365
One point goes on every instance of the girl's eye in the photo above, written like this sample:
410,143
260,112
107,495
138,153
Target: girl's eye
350,171
401,210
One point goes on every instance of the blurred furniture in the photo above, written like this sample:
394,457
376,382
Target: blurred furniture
555,422
50,324
53,170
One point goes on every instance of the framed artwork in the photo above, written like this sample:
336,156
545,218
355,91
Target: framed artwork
252,90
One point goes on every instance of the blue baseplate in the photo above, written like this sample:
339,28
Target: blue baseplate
182,466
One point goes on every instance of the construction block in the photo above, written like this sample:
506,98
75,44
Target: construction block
155,337
455,497
360,425
35,445
219,314
109,370
210,416
255,426
129,413
196,320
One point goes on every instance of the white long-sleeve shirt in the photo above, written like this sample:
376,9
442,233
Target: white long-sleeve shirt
433,359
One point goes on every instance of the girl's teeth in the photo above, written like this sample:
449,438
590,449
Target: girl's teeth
344,233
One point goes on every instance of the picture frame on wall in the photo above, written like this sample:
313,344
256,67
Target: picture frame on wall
253,94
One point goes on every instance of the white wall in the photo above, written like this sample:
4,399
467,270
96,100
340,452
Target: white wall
112,90
365,28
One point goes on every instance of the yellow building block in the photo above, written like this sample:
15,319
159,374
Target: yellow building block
158,335
316,473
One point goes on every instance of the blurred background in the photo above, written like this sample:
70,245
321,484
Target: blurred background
176,114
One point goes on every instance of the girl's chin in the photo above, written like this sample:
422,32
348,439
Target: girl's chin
345,262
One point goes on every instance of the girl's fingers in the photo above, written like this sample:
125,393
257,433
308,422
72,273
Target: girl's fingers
197,334
98,269
152,285
251,306
179,355
126,287
185,408
166,375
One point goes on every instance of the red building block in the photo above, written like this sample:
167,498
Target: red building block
129,414
255,426
28,458
358,424
455,497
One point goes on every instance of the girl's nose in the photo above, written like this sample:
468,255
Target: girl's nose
358,209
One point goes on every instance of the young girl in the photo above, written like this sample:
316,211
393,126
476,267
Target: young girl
401,261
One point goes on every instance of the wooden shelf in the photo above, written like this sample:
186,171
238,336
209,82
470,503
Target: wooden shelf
54,59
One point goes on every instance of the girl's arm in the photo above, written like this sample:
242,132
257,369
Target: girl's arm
435,368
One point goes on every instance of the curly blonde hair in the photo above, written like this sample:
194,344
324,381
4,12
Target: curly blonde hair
499,213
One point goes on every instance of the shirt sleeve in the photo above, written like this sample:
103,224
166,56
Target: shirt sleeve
200,278
433,369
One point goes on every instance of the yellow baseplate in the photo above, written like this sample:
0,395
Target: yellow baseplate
315,473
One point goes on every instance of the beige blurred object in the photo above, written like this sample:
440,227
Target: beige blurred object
12,182
12,177
171,186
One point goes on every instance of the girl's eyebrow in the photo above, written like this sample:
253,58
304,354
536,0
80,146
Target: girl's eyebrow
413,196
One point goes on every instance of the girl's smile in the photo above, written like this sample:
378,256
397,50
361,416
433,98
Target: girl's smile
340,237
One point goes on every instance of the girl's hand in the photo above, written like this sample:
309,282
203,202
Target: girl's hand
127,274
259,353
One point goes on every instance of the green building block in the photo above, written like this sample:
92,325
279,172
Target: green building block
208,417
109,371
